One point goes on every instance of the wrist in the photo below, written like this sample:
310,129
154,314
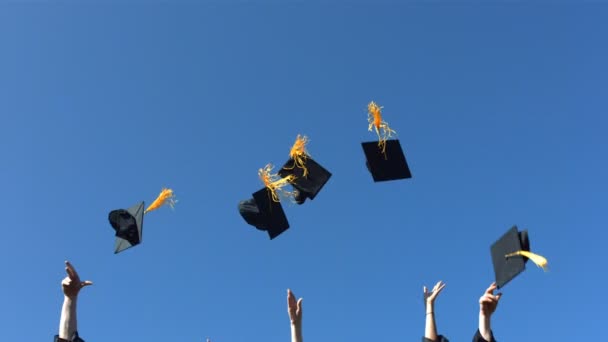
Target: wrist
69,301
296,328
71,298
484,316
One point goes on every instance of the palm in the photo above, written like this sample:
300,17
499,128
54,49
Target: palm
294,307
488,302
429,297
71,284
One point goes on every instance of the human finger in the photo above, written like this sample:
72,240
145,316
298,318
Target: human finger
291,298
491,289
436,286
69,269
486,299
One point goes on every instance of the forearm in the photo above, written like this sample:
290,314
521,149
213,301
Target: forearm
485,328
296,332
430,330
68,322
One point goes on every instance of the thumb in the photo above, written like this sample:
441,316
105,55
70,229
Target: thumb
300,303
86,283
498,296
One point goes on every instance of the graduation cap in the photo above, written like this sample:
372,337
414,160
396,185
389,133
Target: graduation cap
384,158
510,254
264,213
309,177
128,223
264,210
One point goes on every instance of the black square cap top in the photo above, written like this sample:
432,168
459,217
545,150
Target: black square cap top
507,268
308,185
128,225
264,213
387,166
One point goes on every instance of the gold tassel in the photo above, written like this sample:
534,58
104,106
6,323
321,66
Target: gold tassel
299,154
383,131
540,261
166,197
275,183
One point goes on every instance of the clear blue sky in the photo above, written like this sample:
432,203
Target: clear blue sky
501,110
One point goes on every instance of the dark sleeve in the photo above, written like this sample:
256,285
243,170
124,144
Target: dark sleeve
440,338
479,338
75,338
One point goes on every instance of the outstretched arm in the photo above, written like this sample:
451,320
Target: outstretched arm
294,308
430,329
487,305
71,285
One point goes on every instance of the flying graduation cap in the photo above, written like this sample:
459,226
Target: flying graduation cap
264,210
384,159
309,177
511,253
129,223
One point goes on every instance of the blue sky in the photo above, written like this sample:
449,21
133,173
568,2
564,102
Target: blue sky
500,108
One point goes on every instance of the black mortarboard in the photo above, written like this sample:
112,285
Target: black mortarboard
128,225
264,213
507,268
308,186
387,166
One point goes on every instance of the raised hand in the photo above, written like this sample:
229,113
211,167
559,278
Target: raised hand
294,308
430,329
71,284
488,302
429,297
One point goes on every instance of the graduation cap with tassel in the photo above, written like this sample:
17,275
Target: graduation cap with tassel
309,177
384,159
510,254
264,210
128,223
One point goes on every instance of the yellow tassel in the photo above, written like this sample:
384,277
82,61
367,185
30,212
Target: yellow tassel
375,121
540,261
166,197
299,154
275,183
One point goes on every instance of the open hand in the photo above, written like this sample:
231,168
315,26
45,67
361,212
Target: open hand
294,308
429,297
71,284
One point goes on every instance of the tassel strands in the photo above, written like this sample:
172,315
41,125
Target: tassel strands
540,261
299,154
381,127
275,183
166,196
